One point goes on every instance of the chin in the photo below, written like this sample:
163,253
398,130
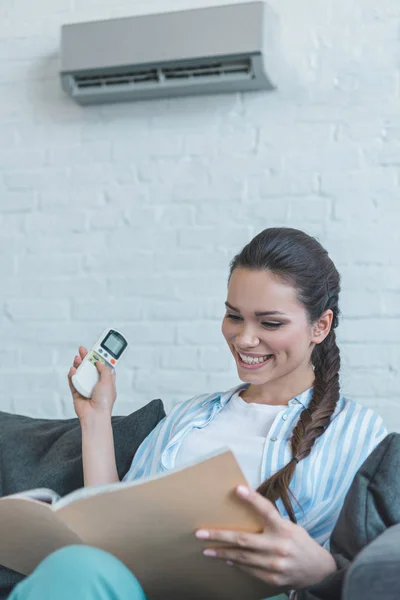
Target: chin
253,378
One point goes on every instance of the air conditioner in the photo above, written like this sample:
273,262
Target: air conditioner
197,51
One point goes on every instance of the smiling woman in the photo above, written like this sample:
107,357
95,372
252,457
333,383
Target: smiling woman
298,441
276,337
282,308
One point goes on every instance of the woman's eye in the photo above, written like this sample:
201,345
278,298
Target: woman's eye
272,325
233,317
268,324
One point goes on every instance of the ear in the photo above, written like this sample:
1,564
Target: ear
322,327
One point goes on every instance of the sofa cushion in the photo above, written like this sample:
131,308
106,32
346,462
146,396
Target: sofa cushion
375,571
371,506
48,453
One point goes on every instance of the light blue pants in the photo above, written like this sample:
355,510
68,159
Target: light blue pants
79,573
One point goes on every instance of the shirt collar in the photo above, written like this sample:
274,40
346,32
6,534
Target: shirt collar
224,397
304,398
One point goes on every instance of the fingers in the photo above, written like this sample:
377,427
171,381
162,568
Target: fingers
248,558
237,539
71,372
82,352
267,550
107,374
76,363
271,521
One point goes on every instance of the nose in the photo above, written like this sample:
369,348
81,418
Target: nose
246,338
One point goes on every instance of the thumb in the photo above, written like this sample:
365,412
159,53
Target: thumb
261,505
104,371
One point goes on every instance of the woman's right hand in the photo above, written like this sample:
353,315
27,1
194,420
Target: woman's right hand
104,393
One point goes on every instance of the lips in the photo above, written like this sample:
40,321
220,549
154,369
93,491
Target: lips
253,361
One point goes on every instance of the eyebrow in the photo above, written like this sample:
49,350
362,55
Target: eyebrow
266,313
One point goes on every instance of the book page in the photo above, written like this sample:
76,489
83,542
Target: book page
89,492
40,494
30,531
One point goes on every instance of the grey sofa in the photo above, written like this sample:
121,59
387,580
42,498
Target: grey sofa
365,542
375,572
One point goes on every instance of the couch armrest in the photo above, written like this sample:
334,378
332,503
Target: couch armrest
375,573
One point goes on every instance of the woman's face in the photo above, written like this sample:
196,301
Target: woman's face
266,327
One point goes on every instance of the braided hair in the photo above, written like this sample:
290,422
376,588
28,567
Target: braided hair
300,260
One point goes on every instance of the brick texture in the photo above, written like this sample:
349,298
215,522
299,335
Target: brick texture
129,214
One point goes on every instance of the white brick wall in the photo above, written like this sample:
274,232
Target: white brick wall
129,214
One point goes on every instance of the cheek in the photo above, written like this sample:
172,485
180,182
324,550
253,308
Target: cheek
291,341
227,329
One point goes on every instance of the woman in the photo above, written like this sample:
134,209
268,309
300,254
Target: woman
298,441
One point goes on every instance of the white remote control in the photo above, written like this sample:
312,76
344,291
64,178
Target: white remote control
108,349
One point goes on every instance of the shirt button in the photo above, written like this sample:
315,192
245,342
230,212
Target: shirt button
284,417
274,439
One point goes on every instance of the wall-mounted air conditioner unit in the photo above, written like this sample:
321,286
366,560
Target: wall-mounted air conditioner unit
197,51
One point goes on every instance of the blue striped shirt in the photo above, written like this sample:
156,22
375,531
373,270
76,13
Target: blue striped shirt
321,480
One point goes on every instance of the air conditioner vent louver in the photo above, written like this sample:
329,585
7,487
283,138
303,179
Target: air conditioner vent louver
104,79
213,69
222,69
220,49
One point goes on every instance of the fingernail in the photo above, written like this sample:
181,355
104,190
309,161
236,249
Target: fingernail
229,563
202,534
209,552
243,491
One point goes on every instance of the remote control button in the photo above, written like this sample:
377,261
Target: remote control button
105,354
112,361
101,351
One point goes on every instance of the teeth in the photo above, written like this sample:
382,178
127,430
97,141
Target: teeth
250,360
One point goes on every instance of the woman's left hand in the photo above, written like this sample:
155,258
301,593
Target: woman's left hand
284,555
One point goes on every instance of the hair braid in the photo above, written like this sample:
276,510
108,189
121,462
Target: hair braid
312,422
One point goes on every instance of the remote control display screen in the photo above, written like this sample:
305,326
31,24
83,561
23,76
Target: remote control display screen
114,344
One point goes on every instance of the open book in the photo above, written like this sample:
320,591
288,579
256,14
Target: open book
148,524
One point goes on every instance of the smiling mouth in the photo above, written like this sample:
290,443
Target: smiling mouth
252,362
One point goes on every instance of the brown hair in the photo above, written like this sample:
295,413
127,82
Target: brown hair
300,260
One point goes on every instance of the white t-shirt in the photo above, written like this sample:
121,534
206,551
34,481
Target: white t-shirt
242,427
